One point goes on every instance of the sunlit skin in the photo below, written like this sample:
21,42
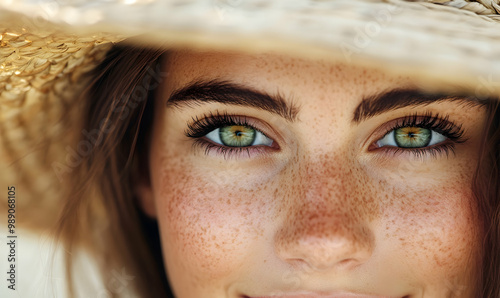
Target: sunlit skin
325,211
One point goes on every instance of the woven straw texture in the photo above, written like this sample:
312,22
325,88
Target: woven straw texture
39,80
48,47
449,42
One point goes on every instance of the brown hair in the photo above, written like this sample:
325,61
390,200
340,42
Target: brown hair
486,187
121,123
101,213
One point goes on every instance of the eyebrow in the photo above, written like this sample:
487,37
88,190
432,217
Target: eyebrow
394,99
225,92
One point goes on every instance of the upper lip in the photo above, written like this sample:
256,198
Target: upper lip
321,295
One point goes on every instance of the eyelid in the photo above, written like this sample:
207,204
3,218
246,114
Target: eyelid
390,138
258,124
417,120
260,137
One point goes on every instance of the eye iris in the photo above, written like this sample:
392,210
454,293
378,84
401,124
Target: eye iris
412,137
237,135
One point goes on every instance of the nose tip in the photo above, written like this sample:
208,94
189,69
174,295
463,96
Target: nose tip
327,224
320,253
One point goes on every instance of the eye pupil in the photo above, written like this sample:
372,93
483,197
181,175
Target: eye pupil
412,137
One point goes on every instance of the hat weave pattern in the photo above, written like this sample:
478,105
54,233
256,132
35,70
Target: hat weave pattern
39,79
46,50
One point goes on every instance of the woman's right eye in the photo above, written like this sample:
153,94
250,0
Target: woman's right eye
230,135
238,136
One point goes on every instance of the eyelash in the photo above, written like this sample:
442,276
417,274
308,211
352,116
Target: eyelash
198,128
454,134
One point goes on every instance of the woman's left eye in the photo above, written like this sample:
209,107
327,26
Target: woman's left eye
238,136
411,137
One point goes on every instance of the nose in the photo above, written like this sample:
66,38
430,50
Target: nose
326,245
327,223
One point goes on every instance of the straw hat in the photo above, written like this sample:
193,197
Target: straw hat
49,47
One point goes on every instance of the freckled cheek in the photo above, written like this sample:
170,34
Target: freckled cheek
437,230
213,227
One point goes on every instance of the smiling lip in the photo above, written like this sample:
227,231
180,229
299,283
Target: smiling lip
316,295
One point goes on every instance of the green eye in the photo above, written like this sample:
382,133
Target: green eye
412,137
237,135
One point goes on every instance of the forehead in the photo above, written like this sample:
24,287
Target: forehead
275,72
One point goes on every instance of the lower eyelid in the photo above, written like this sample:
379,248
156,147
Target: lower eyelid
230,152
444,148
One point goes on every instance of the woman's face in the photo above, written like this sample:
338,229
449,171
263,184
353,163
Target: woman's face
275,176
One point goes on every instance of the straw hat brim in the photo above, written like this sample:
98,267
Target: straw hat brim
47,46
445,44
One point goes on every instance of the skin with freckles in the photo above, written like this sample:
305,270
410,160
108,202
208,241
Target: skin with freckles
322,212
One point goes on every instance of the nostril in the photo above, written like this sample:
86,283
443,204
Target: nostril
343,265
324,253
299,264
348,264
305,266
